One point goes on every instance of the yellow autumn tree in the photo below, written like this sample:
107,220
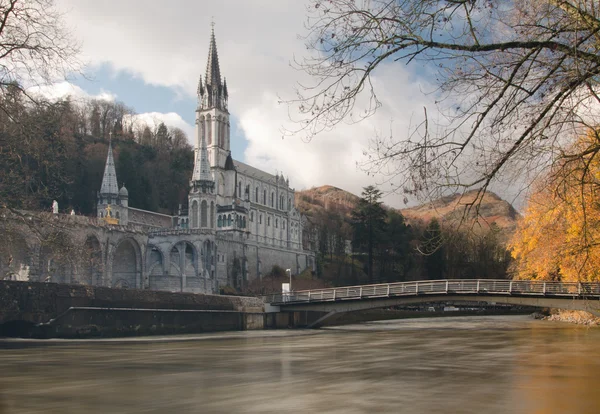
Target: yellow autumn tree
559,235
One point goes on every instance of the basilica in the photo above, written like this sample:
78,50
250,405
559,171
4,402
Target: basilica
239,223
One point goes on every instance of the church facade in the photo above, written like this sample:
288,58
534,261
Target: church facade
240,221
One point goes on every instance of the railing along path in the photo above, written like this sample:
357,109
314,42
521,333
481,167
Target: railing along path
576,290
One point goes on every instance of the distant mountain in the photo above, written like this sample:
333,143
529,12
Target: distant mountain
457,210
317,200
452,210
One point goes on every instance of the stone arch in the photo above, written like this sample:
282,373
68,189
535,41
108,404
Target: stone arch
126,264
90,267
156,266
15,257
57,253
194,214
183,266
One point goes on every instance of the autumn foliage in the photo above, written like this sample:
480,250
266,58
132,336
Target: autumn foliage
559,237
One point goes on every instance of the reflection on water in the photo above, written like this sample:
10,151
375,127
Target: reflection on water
446,365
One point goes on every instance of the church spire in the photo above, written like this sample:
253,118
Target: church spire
109,180
213,71
214,93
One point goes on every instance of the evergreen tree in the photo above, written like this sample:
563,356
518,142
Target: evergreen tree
369,222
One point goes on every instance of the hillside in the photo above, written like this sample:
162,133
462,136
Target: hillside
317,200
454,209
449,210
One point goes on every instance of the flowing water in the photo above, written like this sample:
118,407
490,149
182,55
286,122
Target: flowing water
494,364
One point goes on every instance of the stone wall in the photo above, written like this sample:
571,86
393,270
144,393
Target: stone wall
37,303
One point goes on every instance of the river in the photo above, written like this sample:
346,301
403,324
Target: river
488,364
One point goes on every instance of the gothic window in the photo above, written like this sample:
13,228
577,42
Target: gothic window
247,193
212,215
260,219
244,222
276,223
289,203
222,133
229,220
268,221
203,214
240,189
283,222
219,221
281,202
272,199
118,214
195,214
256,196
208,129
265,197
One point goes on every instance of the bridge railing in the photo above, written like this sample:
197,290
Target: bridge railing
437,287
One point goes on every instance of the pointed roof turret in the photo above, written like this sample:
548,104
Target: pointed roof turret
109,180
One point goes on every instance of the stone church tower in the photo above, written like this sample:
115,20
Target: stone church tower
202,195
212,115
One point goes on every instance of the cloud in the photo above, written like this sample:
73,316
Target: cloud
171,119
61,90
257,40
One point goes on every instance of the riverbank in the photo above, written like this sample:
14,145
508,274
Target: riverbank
575,317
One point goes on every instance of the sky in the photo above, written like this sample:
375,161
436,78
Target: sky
149,55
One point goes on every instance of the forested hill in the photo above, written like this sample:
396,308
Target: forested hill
493,210
57,151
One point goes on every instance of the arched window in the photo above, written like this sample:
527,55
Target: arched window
219,221
268,221
229,220
281,202
118,215
195,214
260,219
256,196
272,199
244,222
240,189
289,203
208,129
283,224
203,214
276,223
212,214
101,215
265,197
222,133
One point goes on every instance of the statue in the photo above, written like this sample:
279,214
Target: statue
72,212
55,207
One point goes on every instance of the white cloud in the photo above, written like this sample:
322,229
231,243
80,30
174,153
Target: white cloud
171,119
257,40
63,89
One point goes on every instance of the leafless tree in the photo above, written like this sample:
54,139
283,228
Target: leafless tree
35,46
516,82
